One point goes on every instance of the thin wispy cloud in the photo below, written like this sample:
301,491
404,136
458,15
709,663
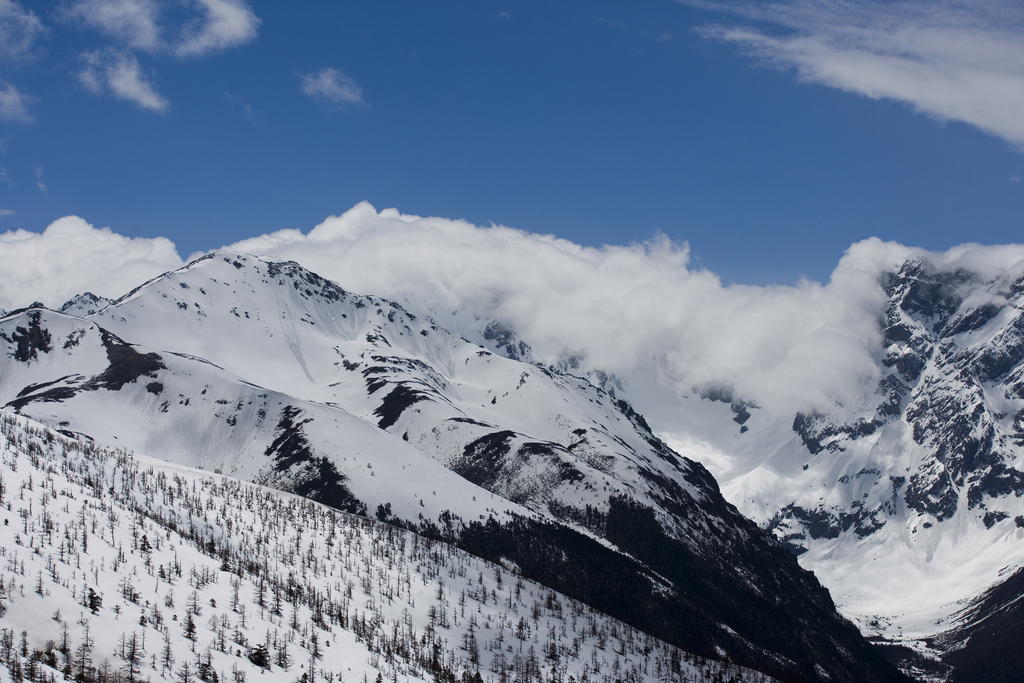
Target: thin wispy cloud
134,23
332,88
6,213
214,25
155,27
225,24
120,74
14,104
19,30
245,109
952,60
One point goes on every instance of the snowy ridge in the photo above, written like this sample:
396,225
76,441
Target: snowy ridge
117,567
85,304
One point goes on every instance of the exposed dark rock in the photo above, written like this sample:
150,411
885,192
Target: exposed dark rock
894,391
724,394
395,403
506,341
973,319
819,523
483,460
930,492
31,340
54,395
566,470
126,364
985,647
85,304
993,516
818,432
308,283
298,469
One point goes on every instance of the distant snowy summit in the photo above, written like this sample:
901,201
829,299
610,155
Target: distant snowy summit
266,371
85,304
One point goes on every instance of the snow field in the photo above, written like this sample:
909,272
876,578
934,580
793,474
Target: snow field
119,567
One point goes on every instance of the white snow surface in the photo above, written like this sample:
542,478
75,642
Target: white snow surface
290,333
340,597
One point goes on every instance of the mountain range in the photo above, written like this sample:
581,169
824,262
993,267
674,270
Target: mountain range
904,500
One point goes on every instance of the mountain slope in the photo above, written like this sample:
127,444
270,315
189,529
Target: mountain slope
118,567
269,372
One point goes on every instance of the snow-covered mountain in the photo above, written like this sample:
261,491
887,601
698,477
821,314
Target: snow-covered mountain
905,500
911,501
267,372
120,567
900,487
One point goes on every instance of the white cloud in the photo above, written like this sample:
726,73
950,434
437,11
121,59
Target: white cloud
19,29
950,59
638,311
71,257
227,23
641,312
332,88
141,24
121,74
135,23
14,105
6,213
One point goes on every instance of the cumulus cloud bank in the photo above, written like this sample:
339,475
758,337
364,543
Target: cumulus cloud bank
71,257
639,311
953,60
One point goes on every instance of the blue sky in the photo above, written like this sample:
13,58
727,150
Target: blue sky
768,137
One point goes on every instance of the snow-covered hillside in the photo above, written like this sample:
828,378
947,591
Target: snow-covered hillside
267,372
119,567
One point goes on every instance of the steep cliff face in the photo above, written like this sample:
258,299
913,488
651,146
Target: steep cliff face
943,436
